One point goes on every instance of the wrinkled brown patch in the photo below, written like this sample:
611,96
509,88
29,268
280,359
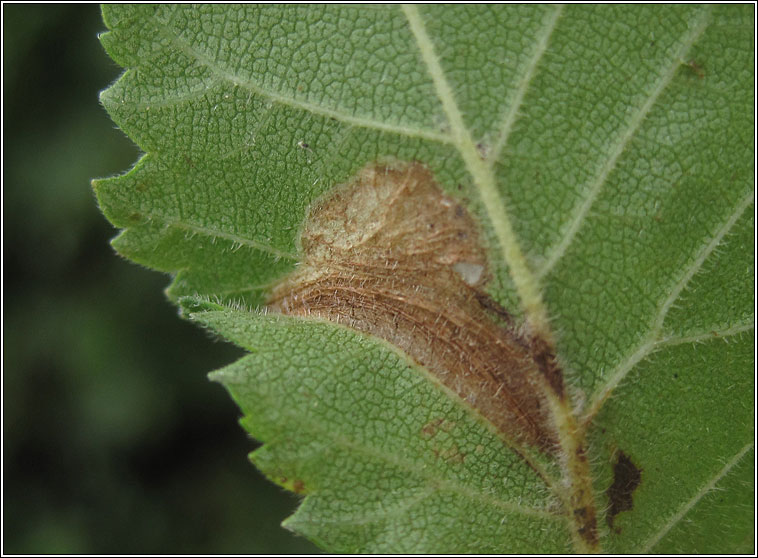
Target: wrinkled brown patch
390,254
626,478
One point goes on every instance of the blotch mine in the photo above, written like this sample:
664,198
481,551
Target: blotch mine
389,254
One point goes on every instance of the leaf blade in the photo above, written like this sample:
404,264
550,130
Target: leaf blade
333,374
237,154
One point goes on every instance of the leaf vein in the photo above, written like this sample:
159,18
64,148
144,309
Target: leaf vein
575,490
171,100
353,120
708,335
618,148
651,341
483,178
249,140
705,489
378,517
213,234
447,484
529,71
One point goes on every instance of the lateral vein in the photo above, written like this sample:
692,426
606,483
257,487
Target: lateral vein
705,489
651,341
556,252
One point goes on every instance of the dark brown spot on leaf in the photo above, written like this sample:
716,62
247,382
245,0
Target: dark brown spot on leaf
626,478
391,255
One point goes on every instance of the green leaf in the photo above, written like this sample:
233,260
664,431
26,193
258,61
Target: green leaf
394,463
607,154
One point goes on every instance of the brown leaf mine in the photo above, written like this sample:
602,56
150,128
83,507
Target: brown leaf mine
391,255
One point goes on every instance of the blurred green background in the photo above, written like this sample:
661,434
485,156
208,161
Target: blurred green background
114,441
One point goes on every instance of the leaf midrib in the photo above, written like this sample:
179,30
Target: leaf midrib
483,179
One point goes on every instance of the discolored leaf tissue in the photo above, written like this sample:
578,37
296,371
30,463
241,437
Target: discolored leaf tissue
493,264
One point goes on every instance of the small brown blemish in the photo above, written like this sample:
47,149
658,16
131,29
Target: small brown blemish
696,68
626,478
389,254
488,303
450,454
483,150
581,455
431,428
293,485
585,517
547,363
447,425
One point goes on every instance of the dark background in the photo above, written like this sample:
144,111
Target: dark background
114,441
